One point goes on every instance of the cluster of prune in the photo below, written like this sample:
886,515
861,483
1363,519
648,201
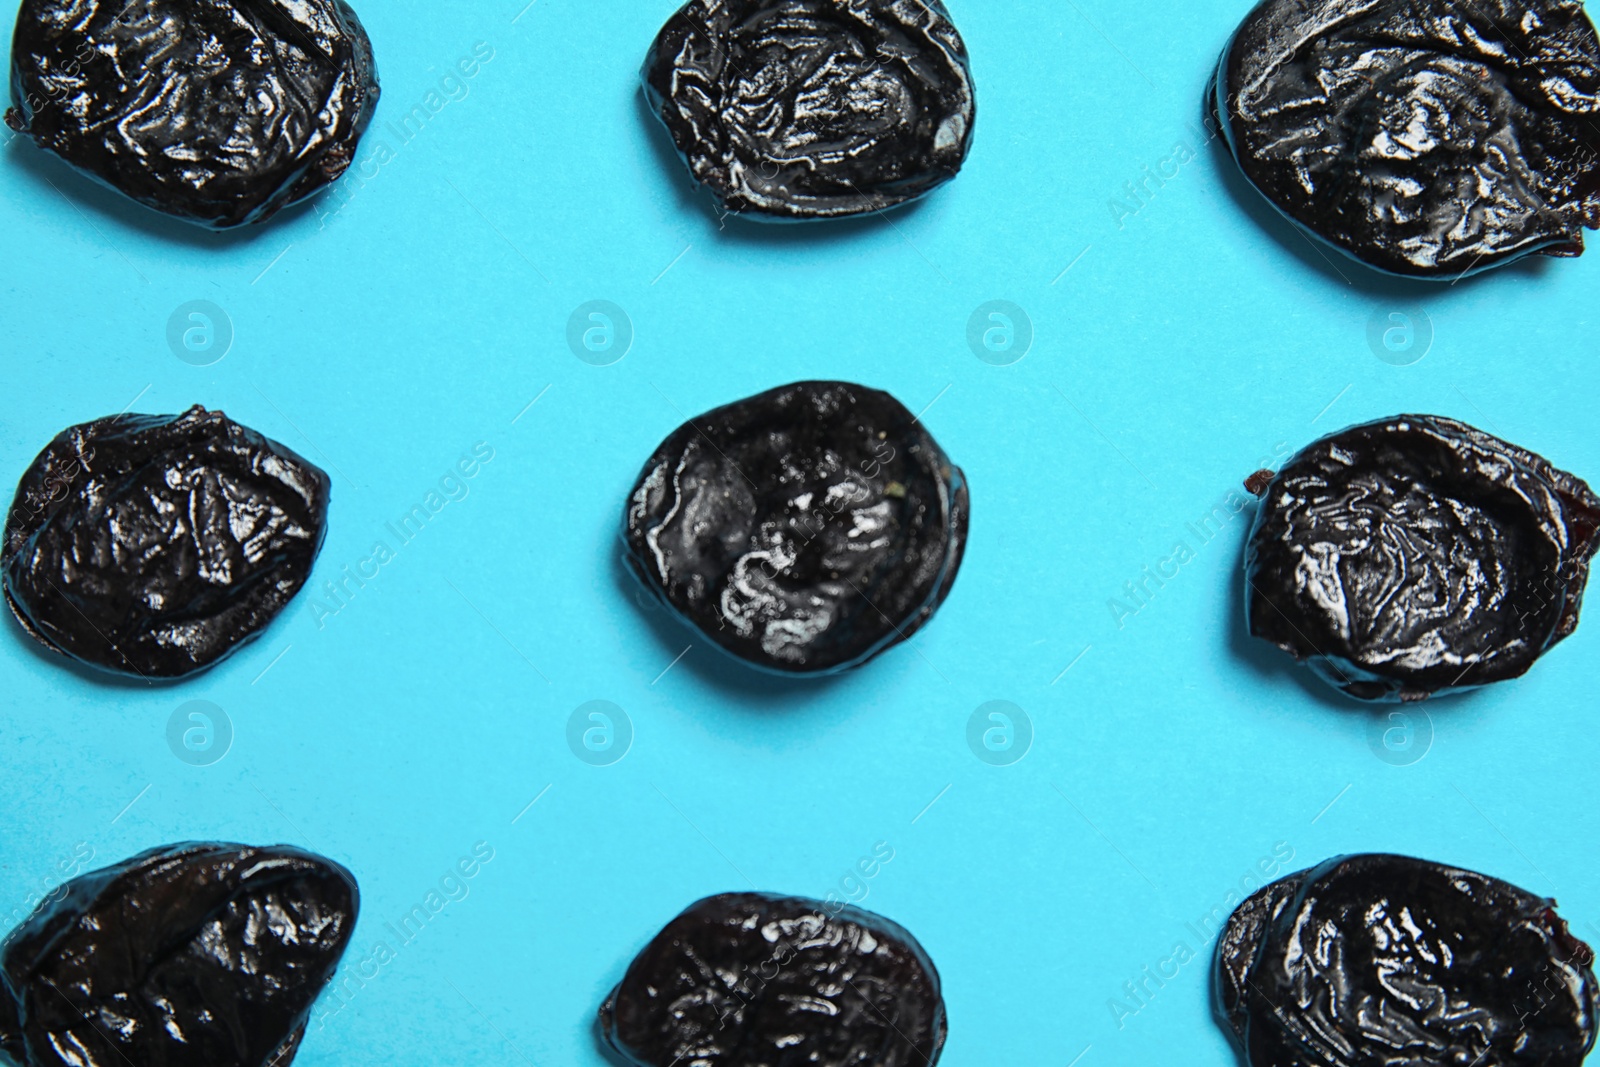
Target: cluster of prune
804,529
1423,137
220,112
810,527
191,955
812,109
757,980
1415,554
1376,959
154,545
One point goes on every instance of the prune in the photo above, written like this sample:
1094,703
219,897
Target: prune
812,109
1374,959
804,529
191,955
1422,137
156,544
759,980
216,111
1415,554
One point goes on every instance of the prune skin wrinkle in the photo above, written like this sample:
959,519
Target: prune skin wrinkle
154,545
813,109
189,955
759,980
1374,960
220,112
804,529
1428,138
1416,555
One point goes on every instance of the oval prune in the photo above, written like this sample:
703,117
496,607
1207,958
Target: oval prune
219,112
156,544
804,529
191,955
1423,137
1377,959
1415,554
747,979
812,109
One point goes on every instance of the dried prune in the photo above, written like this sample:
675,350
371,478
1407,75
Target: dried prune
220,112
1416,554
804,529
190,955
759,980
155,545
1376,959
812,109
1423,137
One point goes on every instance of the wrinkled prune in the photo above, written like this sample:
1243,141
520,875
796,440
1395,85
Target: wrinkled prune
156,544
219,112
811,109
759,980
1374,959
804,529
1416,554
191,955
1423,137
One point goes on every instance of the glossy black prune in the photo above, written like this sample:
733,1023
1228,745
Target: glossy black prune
220,112
812,109
155,545
190,955
804,529
1423,137
759,980
1415,554
1374,960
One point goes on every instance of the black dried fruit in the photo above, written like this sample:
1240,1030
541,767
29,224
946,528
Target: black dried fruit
1370,960
191,955
1422,137
216,111
155,545
759,980
804,529
812,109
1415,554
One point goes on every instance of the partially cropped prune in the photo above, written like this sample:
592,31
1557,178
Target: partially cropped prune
812,109
804,529
216,111
758,980
1415,554
155,545
1423,137
1376,960
191,955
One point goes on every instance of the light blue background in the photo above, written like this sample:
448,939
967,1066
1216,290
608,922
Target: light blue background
399,321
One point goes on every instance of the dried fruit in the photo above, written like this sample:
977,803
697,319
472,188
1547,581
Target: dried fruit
811,109
1423,137
220,112
155,545
1415,554
191,955
1375,959
758,980
804,529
